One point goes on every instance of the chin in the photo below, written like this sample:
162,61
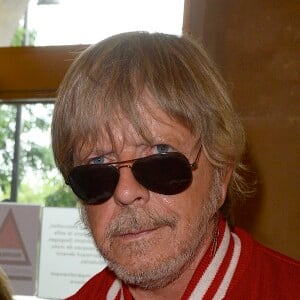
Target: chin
150,272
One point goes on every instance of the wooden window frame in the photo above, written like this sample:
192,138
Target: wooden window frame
34,72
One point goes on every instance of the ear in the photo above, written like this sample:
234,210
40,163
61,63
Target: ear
225,175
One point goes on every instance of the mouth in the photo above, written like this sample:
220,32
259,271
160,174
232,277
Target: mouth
133,235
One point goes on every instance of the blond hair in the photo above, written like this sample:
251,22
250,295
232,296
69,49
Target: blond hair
110,77
5,289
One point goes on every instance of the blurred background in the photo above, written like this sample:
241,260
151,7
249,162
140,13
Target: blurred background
256,45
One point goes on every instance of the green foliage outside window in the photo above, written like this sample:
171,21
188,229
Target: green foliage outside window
38,178
7,116
19,37
39,181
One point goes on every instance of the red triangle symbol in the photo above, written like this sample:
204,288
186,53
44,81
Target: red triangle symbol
12,249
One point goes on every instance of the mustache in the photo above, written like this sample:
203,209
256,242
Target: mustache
132,220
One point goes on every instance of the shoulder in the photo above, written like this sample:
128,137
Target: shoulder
96,287
277,264
266,258
263,273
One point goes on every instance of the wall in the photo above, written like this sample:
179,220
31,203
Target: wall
10,13
257,45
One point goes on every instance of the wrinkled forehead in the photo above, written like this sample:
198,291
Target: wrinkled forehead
122,129
142,124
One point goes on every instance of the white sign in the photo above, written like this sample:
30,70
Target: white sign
19,237
68,255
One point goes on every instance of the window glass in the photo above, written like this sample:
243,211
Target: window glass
88,21
7,129
28,173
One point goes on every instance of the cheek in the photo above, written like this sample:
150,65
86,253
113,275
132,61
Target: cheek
98,217
191,203
188,202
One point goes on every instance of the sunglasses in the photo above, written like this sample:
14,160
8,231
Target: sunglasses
165,173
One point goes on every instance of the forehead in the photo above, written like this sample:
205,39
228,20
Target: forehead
156,126
150,125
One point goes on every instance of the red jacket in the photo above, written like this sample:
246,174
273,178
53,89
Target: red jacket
240,269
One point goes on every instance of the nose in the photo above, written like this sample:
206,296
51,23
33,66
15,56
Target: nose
129,190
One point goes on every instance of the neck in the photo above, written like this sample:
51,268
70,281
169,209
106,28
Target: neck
176,288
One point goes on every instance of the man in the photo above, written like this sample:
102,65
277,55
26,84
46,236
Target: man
145,135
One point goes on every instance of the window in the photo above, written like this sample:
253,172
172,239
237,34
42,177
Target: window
28,173
67,22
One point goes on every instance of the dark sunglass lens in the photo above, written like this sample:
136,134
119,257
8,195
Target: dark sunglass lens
167,174
93,184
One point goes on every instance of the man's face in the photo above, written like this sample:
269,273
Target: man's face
149,239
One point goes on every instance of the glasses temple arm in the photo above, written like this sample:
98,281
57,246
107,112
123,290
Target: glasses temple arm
194,165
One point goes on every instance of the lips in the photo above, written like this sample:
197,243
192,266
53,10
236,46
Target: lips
138,222
133,234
